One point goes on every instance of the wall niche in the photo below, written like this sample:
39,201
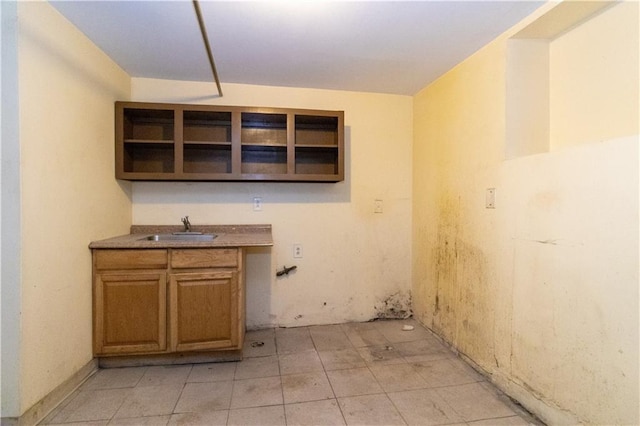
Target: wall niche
559,92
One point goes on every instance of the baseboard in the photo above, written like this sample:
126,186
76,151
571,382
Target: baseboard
526,397
42,408
547,413
170,359
531,402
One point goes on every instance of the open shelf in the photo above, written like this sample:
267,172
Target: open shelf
261,159
317,160
149,145
316,130
206,127
148,124
145,157
207,158
264,129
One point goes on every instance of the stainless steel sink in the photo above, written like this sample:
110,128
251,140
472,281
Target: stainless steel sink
181,236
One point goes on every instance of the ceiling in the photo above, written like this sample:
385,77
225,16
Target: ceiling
371,46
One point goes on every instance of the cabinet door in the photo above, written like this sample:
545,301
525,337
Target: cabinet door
130,312
204,311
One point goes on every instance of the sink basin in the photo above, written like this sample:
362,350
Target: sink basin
180,237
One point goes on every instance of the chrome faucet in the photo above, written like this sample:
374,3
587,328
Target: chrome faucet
186,223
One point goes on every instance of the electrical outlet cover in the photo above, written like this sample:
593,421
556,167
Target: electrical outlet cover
377,206
257,204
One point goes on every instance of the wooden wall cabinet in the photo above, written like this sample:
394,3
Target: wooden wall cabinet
218,143
157,301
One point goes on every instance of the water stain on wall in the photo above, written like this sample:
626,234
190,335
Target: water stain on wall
463,307
444,267
475,307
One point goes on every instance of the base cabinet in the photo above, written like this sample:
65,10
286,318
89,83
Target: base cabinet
167,301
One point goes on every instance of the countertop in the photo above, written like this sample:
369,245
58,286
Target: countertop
227,236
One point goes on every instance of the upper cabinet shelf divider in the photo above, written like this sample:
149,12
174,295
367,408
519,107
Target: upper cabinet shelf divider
160,141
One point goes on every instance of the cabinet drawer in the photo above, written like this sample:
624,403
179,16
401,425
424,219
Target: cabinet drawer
204,258
130,259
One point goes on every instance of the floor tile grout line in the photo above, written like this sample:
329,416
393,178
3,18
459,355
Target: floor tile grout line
326,373
184,385
282,392
477,380
119,407
406,422
228,410
144,371
284,407
276,354
386,394
233,388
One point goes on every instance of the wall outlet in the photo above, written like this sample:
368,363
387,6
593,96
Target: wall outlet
490,198
297,251
377,206
257,204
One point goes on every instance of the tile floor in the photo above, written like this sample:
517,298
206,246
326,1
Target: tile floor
356,374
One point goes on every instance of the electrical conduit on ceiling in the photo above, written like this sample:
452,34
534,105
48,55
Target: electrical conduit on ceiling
207,47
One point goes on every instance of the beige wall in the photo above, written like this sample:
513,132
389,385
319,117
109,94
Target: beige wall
585,66
69,197
353,259
542,291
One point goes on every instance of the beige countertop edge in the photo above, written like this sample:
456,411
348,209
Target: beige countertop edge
227,236
215,229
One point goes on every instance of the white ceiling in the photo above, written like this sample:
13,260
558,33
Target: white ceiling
372,46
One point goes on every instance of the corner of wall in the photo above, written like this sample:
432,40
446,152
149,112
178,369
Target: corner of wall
10,203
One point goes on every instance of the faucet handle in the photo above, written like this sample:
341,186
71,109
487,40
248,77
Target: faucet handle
186,223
